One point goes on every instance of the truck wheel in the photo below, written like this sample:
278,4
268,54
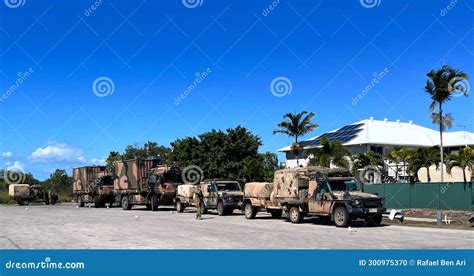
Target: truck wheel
126,203
20,202
373,220
250,211
154,203
179,206
276,214
341,217
221,209
295,215
97,203
80,202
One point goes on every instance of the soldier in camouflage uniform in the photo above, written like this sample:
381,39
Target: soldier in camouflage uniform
198,200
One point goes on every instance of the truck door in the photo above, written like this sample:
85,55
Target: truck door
212,197
320,198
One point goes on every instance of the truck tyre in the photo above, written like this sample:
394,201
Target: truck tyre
80,201
373,220
154,202
179,206
97,203
276,214
20,202
295,215
126,203
341,217
221,209
250,211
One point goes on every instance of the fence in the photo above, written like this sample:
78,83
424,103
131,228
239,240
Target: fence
444,196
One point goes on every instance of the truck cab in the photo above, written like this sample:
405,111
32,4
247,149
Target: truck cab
223,195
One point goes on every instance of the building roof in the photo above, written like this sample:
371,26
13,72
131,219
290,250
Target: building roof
395,133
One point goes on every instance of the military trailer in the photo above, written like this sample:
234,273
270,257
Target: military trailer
93,184
314,191
23,194
258,196
222,195
145,182
184,197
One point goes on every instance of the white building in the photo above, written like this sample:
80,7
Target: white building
381,136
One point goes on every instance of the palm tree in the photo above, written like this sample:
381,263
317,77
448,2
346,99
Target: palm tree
296,126
369,160
441,86
329,152
464,159
423,158
397,156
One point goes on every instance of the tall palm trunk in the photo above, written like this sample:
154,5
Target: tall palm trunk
441,141
297,151
428,173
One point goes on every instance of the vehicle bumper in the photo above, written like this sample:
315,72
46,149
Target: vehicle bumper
360,212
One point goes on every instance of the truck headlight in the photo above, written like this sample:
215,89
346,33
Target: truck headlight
228,198
357,203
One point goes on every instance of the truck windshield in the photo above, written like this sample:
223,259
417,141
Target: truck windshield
341,185
228,186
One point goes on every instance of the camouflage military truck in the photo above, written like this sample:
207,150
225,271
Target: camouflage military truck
23,194
93,184
326,193
184,197
222,195
145,182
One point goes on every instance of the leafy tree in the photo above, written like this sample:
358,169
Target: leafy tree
423,158
219,154
329,153
441,86
60,183
370,158
463,159
149,150
296,125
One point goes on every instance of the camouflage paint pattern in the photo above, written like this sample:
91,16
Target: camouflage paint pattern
83,177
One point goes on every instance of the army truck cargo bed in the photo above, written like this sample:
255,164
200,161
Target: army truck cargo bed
93,184
23,194
145,182
314,191
184,197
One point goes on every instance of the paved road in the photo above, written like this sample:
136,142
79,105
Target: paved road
65,227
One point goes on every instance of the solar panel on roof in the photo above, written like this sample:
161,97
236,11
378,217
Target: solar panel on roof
343,134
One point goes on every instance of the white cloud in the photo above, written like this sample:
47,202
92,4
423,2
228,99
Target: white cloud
98,161
7,154
16,166
56,153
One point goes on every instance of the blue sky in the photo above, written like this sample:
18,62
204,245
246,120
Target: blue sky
153,51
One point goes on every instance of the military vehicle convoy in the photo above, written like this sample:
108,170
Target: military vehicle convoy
145,182
313,191
225,196
23,194
93,184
